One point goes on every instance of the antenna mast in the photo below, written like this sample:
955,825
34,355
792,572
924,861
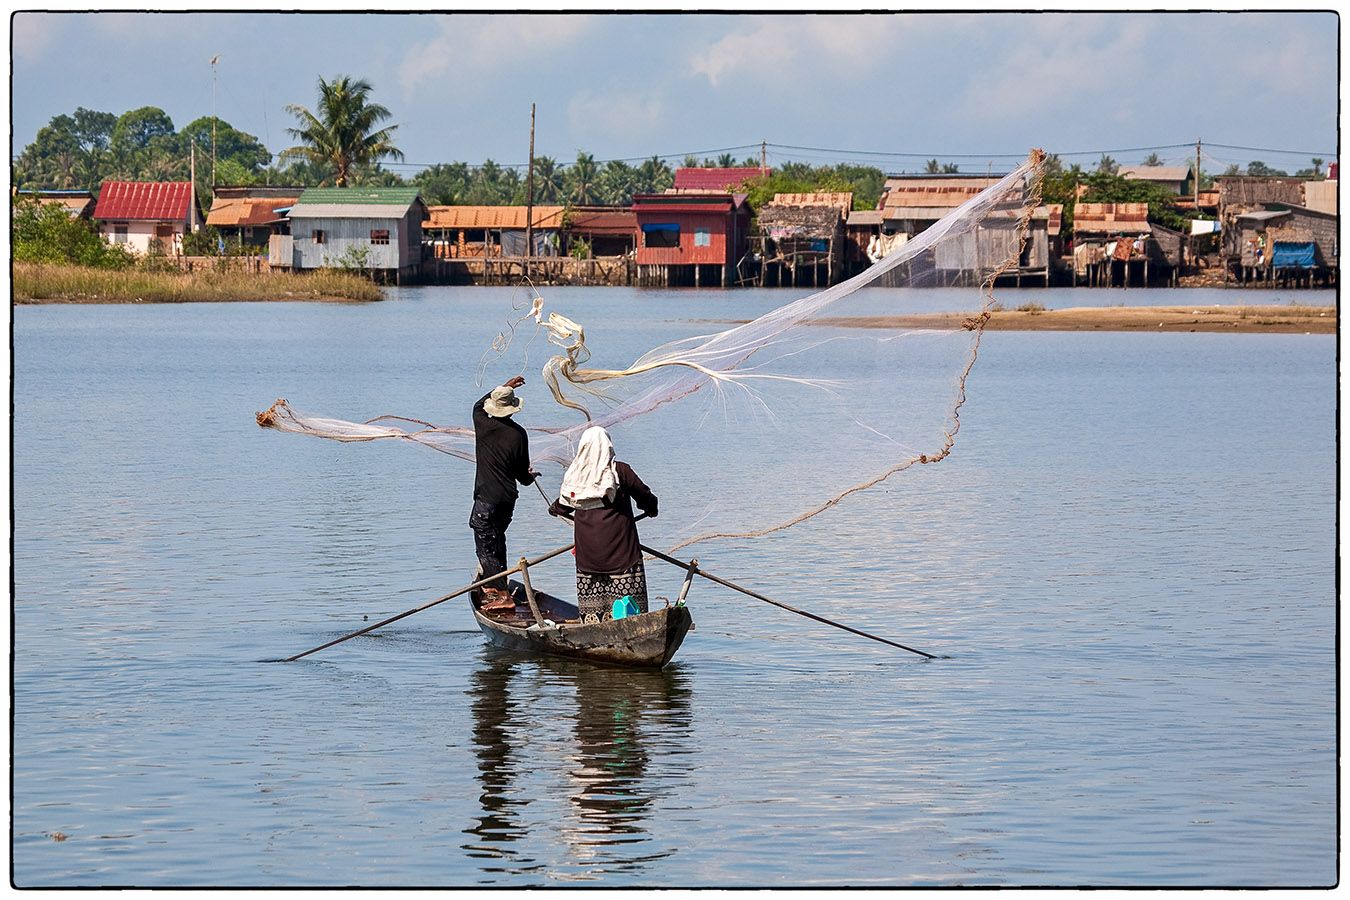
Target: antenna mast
214,60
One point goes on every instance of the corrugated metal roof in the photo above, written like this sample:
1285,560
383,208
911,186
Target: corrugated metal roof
1111,217
950,179
246,212
604,221
158,201
511,217
347,211
841,200
397,196
719,179
862,217
1155,173
917,212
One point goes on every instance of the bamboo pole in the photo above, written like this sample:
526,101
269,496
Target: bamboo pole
529,591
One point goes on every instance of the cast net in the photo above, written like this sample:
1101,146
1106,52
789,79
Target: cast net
750,427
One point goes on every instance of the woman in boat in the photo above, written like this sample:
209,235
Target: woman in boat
598,493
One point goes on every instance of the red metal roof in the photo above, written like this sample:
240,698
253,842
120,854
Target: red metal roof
700,179
164,201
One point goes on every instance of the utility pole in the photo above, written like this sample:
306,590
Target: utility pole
529,198
763,156
1197,176
215,59
192,168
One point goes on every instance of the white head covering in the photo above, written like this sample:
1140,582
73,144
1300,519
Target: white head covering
591,478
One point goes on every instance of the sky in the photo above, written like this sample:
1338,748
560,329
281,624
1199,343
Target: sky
888,89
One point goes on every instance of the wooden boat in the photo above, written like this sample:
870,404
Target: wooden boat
645,641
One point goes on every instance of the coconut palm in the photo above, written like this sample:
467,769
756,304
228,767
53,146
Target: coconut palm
548,180
581,179
343,134
654,176
1153,159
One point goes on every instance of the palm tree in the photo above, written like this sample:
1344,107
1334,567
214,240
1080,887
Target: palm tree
933,167
548,180
726,161
581,176
343,134
654,176
690,162
1153,159
1107,165
617,182
1317,166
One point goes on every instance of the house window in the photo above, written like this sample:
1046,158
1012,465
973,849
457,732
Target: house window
119,232
320,237
702,237
661,235
379,235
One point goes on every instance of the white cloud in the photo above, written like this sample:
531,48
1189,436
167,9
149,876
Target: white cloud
480,46
615,113
781,48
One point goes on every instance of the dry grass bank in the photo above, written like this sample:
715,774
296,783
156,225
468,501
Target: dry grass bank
44,283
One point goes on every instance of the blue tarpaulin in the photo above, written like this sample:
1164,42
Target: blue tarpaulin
660,226
1294,255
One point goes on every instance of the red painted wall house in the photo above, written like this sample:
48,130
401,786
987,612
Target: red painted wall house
698,237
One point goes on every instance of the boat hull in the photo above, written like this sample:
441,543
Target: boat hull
645,641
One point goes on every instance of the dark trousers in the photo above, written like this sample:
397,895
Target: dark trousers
489,522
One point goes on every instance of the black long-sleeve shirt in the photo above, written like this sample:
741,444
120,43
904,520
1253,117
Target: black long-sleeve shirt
502,449
607,537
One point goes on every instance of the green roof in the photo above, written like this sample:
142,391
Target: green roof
394,196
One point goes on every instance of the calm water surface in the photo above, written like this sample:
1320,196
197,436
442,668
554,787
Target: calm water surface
1130,560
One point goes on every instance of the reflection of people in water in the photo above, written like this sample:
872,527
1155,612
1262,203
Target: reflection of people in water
491,738
626,724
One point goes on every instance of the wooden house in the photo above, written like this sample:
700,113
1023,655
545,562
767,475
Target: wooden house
77,204
1250,206
911,203
1109,241
608,231
1282,236
147,215
801,234
252,214
461,232
691,238
861,230
378,229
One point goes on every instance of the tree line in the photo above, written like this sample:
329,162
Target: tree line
344,141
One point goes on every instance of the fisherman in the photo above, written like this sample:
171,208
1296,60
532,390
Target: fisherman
502,450
598,493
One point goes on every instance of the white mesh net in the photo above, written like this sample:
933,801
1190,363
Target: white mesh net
809,403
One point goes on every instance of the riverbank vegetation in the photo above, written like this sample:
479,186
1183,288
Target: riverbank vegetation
65,283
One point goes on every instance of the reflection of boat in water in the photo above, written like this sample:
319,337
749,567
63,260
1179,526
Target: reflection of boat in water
624,724
646,641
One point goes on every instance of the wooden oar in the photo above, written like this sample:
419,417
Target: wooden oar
450,596
696,570
692,569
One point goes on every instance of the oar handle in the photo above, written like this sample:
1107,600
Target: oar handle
464,590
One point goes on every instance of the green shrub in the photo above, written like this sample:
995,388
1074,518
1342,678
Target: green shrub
46,233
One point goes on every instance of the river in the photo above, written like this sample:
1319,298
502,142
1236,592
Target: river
1129,561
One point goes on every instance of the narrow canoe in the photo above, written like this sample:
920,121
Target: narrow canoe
646,641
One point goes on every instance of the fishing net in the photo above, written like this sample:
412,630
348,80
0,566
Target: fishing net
758,425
